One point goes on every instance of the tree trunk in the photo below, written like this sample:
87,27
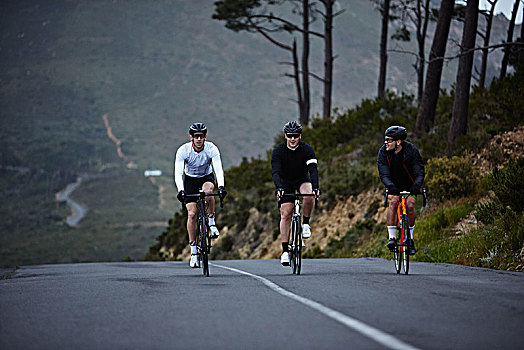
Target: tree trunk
296,75
328,58
426,112
305,64
507,50
422,29
459,119
520,51
383,50
485,52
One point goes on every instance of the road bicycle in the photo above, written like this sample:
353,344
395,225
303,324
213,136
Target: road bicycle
402,246
203,240
295,236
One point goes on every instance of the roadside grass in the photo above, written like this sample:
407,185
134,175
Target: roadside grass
435,237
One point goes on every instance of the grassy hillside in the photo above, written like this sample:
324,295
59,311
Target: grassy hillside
151,67
350,221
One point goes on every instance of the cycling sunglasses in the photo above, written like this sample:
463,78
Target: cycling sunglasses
199,136
291,136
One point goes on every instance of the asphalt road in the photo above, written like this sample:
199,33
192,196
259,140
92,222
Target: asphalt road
258,304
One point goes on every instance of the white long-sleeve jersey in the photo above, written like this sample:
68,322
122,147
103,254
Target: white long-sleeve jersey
197,164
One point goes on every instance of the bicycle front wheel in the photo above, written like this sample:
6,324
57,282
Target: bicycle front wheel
298,249
292,246
204,249
398,258
405,243
295,247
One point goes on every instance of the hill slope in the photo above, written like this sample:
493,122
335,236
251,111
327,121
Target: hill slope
151,68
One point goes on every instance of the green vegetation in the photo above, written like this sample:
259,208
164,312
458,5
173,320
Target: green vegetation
347,145
448,178
152,72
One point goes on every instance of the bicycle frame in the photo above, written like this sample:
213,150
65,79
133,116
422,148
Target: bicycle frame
295,236
402,248
401,252
203,238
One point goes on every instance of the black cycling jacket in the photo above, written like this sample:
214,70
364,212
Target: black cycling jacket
291,166
402,169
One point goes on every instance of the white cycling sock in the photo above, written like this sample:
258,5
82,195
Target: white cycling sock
411,231
211,219
392,230
193,247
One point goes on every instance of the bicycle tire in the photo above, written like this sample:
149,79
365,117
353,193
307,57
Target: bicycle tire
397,258
298,255
399,249
202,246
205,265
405,243
293,246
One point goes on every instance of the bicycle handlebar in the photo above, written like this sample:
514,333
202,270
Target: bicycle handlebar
203,194
406,193
298,195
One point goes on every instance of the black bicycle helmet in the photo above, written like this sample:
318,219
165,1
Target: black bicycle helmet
198,127
396,132
293,127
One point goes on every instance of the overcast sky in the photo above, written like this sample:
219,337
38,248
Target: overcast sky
504,6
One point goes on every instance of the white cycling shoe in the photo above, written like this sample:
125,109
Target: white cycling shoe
213,232
193,262
306,231
284,259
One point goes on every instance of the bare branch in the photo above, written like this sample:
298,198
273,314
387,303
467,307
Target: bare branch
291,25
301,71
265,35
449,58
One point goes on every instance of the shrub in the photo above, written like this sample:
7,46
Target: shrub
450,178
507,185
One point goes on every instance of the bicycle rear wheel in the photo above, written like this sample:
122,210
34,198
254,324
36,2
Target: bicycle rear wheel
405,243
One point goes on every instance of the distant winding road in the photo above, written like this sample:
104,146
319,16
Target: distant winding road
78,211
258,304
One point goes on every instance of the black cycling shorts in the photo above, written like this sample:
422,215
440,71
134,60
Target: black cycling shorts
293,187
193,185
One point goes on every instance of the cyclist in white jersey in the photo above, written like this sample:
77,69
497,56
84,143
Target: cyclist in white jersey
193,172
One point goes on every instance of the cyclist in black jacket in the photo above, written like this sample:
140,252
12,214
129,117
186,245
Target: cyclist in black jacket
401,168
294,168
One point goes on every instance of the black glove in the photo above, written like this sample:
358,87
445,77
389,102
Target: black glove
279,192
316,191
394,190
181,196
221,192
414,189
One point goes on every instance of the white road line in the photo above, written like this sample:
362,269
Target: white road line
377,335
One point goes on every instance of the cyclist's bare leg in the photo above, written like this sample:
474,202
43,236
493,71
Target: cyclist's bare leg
286,210
412,215
391,215
208,187
307,206
192,213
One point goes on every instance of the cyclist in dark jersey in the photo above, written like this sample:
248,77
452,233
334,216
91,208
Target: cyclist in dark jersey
401,168
294,168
